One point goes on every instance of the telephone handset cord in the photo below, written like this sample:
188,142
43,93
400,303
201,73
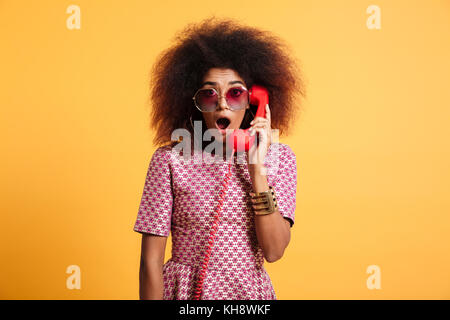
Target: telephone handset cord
212,235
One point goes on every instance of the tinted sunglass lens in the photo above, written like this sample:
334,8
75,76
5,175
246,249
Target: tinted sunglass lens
237,98
206,99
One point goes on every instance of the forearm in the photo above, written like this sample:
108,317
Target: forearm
272,230
151,285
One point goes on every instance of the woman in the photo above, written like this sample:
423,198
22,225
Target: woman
220,59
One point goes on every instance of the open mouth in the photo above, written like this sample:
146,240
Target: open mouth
222,123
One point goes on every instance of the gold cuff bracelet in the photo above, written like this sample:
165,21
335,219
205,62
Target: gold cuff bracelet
264,202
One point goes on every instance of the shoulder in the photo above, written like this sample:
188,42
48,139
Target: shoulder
282,152
162,154
280,159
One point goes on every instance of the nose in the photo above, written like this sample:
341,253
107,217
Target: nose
222,104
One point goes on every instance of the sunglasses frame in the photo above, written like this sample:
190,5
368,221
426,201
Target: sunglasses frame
219,96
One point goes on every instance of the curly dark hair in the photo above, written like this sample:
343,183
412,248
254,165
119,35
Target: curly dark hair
257,56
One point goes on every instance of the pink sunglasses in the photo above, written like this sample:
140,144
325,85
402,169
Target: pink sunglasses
207,100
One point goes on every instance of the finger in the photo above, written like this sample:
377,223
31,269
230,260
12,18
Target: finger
257,126
259,120
260,125
264,134
261,130
268,115
252,148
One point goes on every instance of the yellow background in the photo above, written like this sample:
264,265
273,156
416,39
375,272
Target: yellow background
372,144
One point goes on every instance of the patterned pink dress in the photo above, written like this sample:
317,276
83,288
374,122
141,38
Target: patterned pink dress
179,196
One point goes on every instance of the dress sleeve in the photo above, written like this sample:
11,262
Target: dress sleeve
285,183
155,210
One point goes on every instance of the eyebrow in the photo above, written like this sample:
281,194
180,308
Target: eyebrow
214,83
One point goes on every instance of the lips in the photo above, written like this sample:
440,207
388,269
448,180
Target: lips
223,123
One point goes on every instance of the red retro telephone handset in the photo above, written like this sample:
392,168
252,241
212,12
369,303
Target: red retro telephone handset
241,140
